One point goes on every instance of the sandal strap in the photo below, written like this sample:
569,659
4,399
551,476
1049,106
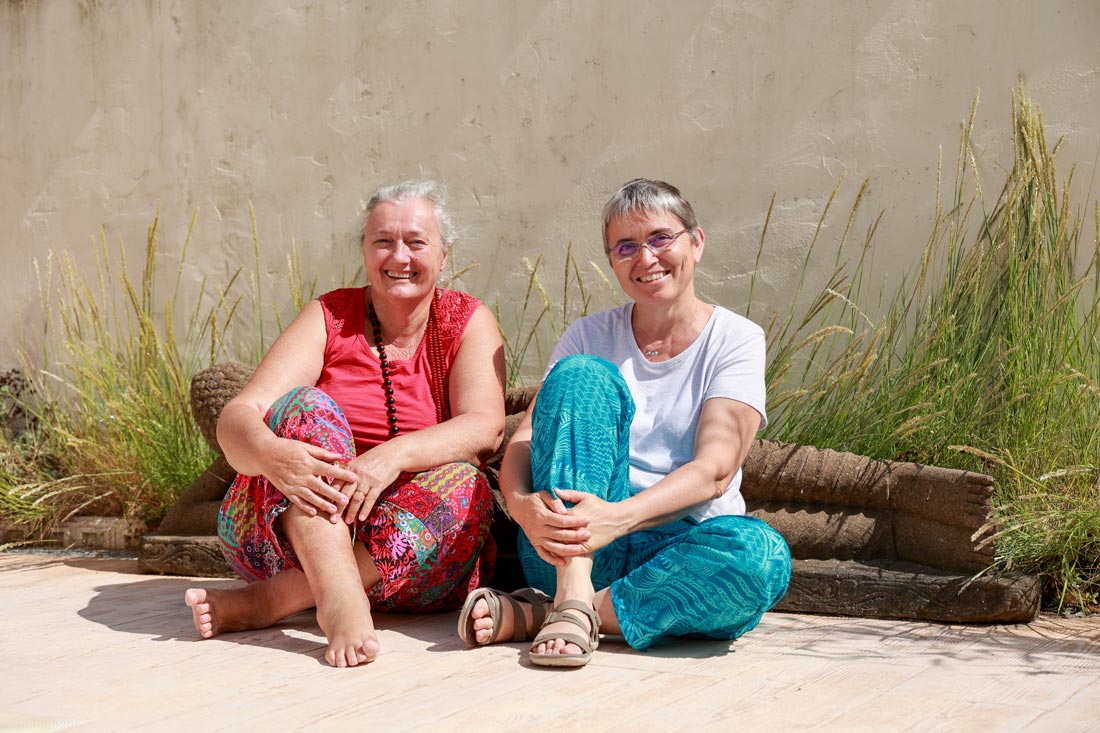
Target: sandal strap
538,601
519,628
583,642
592,633
586,609
465,625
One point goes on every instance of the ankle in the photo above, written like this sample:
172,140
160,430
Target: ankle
575,592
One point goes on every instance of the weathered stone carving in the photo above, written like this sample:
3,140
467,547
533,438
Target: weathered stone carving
196,511
840,505
211,389
883,538
869,537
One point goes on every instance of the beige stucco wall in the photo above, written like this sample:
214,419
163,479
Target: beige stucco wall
531,112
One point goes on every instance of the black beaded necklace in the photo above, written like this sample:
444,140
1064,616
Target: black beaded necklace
387,383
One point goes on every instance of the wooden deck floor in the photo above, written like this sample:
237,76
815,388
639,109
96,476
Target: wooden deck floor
88,644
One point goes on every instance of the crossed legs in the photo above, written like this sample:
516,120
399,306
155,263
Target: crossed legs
336,575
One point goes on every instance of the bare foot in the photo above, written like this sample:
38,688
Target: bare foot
349,629
218,611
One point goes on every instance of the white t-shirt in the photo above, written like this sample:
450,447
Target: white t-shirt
725,360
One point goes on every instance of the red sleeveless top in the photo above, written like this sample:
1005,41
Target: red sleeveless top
352,374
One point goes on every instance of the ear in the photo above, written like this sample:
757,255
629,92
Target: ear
698,244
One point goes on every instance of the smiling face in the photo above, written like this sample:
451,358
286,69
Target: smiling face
403,250
655,278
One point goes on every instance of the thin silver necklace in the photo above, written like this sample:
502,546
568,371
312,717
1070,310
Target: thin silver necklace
657,352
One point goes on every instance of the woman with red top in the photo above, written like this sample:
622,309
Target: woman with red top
364,479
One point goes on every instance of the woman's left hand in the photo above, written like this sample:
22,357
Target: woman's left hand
606,522
376,471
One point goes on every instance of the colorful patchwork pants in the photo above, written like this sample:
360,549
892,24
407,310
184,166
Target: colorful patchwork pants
428,534
712,579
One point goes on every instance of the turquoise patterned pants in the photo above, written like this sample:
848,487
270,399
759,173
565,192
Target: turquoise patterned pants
711,579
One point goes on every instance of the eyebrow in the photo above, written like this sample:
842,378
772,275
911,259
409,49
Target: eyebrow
418,233
658,230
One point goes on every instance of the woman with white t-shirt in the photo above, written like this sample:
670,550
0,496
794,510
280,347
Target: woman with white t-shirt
624,475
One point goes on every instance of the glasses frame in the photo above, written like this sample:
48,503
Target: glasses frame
648,244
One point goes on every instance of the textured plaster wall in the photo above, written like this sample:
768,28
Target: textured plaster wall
531,112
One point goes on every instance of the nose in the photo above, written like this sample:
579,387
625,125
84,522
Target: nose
645,255
401,251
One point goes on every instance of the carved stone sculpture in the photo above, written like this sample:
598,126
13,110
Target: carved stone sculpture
829,504
868,537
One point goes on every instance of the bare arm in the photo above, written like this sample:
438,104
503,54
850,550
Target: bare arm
472,434
296,469
722,442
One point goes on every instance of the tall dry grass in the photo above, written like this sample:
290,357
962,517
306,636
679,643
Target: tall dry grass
986,358
108,386
531,326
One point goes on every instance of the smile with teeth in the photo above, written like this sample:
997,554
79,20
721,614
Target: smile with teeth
651,277
400,275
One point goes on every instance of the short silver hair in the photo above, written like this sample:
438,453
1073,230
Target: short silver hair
431,191
645,194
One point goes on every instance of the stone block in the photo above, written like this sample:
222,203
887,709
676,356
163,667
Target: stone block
892,589
182,555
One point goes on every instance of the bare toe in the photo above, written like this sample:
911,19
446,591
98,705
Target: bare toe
201,615
349,629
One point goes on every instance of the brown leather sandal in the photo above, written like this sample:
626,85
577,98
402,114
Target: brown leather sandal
587,643
540,604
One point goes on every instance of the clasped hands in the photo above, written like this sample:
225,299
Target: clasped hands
558,532
316,480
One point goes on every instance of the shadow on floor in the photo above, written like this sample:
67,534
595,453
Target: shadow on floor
154,607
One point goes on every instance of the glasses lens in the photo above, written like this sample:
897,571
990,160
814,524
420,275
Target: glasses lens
663,241
625,250
660,241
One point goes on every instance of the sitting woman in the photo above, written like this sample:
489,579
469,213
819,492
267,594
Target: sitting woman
624,476
365,478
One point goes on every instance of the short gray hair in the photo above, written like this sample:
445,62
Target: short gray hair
645,194
431,191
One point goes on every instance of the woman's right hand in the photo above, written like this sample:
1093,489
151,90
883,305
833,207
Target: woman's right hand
304,472
554,531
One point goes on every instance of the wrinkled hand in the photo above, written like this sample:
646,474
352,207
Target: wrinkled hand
555,532
374,472
305,474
